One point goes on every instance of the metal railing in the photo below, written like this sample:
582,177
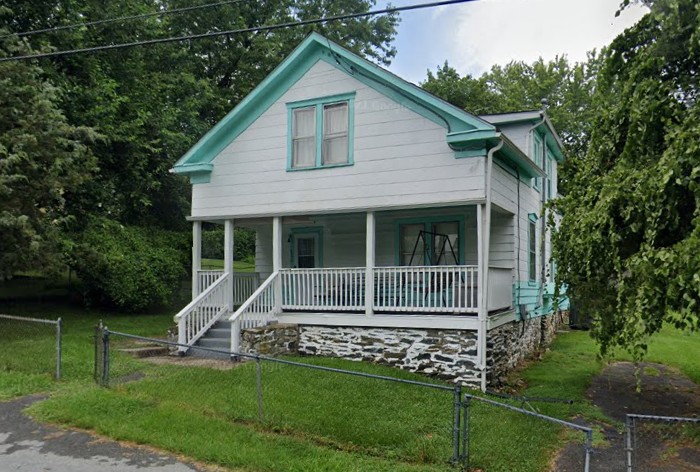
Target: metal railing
426,289
59,336
328,289
200,314
258,310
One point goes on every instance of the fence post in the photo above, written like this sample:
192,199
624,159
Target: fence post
465,432
456,424
629,441
105,357
589,449
258,375
59,335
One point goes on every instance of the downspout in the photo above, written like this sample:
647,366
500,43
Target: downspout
483,312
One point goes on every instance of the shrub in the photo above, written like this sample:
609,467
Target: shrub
130,268
243,244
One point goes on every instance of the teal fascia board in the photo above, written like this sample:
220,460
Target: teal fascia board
313,49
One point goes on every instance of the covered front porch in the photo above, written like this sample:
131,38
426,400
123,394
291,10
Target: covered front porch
429,268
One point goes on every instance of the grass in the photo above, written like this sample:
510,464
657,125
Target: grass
313,420
218,264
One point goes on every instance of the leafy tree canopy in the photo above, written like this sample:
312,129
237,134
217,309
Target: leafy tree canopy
629,241
43,161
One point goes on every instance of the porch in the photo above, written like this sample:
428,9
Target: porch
444,274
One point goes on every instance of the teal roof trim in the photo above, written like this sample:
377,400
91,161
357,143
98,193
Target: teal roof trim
313,49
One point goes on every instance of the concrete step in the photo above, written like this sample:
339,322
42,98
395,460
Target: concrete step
222,324
215,343
218,333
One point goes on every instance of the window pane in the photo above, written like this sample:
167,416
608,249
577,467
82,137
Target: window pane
445,241
335,151
306,253
532,266
304,122
409,236
304,152
335,134
304,137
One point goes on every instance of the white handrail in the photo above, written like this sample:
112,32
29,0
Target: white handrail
258,310
201,313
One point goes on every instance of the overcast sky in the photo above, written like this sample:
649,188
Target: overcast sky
474,36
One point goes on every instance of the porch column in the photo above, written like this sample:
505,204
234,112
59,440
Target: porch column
196,256
277,260
228,261
369,264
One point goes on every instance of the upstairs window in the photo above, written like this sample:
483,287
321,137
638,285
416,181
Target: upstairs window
537,157
532,248
320,133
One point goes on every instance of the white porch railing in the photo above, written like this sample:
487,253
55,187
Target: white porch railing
426,289
329,289
257,310
244,283
500,288
207,277
201,313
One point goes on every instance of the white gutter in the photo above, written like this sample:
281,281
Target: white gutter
484,281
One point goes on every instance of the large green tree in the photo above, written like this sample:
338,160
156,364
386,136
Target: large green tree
43,162
629,241
151,103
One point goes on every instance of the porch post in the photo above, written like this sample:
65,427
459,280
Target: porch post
228,261
196,256
277,260
482,295
369,264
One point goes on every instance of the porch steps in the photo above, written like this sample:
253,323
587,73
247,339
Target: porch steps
218,337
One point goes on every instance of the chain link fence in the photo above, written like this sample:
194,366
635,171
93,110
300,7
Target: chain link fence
520,430
353,410
30,345
662,443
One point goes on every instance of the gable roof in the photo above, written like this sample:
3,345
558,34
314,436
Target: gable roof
464,130
539,119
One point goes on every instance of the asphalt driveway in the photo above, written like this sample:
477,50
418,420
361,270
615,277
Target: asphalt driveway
26,445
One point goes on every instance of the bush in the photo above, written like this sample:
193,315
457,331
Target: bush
243,244
130,268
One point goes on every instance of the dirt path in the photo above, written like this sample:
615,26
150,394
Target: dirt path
29,446
664,392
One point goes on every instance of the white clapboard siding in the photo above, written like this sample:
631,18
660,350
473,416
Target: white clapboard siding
401,158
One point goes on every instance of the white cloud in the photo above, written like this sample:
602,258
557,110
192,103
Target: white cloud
492,32
476,35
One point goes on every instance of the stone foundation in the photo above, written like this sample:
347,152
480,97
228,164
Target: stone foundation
270,340
443,353
447,354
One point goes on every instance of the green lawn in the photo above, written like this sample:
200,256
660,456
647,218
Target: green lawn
218,264
313,420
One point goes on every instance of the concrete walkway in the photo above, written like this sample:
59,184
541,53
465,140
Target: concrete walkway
29,446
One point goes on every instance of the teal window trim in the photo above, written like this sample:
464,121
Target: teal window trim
537,144
426,221
532,253
317,230
319,103
548,170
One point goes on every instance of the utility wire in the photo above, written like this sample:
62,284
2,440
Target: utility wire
238,31
121,18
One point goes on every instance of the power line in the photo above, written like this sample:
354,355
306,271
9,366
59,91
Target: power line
121,18
212,34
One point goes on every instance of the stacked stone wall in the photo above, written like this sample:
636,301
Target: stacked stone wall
443,353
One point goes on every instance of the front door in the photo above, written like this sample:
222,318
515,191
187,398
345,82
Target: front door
306,250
